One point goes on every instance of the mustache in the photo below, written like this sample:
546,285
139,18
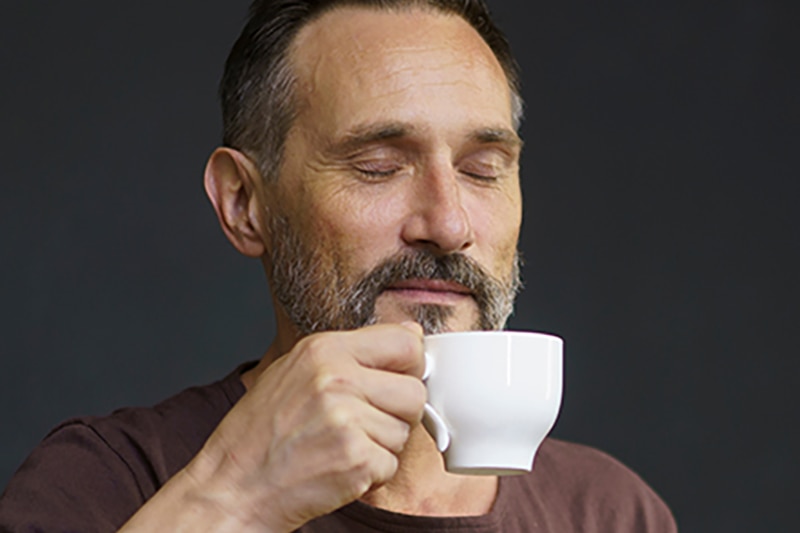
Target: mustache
422,264
484,288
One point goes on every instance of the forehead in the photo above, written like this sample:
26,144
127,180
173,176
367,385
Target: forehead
351,63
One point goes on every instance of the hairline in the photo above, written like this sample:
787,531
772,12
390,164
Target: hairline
270,167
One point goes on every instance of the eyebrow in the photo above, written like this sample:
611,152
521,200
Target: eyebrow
497,136
373,133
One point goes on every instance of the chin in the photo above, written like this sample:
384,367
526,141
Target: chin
433,318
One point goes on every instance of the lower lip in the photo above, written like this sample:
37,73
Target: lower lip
428,297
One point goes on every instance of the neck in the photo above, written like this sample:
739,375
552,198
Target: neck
285,339
421,485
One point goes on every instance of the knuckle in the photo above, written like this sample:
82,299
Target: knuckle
328,383
368,474
351,450
322,355
419,392
322,347
314,347
412,343
336,415
415,351
360,481
417,395
403,432
386,469
321,382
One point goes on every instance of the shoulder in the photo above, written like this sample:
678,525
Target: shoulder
155,442
598,489
99,470
170,431
72,478
581,462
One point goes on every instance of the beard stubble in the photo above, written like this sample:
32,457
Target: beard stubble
317,295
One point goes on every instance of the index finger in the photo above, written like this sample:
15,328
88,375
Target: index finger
392,347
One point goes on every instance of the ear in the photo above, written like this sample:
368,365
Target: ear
231,182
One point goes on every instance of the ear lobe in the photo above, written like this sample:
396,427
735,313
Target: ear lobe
231,181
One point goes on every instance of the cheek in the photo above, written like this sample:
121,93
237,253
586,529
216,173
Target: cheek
504,249
361,229
496,223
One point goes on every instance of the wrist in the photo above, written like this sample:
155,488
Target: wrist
193,502
211,490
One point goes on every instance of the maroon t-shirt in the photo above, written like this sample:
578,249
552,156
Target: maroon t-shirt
91,474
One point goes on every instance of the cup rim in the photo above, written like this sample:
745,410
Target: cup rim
497,333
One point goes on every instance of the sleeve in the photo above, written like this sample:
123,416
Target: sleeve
74,481
584,489
632,505
618,500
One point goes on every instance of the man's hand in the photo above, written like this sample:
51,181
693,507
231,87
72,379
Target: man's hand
321,426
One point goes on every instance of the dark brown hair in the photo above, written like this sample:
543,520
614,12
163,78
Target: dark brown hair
258,83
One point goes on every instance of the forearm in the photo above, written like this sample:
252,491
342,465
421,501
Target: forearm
189,503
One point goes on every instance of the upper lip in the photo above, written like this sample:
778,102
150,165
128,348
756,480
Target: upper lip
433,285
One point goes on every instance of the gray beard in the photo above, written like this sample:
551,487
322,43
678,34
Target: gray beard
316,295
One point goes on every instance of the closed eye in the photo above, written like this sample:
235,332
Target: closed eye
482,175
485,172
487,165
377,168
377,173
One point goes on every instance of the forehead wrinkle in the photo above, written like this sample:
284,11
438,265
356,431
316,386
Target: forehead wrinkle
366,133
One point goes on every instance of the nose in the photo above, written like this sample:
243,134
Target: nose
438,219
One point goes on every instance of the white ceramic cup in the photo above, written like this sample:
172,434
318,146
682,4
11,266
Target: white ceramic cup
493,396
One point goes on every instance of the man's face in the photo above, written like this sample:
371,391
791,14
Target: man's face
398,198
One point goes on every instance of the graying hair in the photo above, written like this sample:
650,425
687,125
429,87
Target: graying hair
257,87
318,295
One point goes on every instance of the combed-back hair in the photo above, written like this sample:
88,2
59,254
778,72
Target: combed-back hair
257,87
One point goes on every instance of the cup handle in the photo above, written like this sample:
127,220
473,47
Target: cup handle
431,420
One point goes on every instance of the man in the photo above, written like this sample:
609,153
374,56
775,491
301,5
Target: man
371,162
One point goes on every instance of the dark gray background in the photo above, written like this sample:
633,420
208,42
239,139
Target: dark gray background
661,233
